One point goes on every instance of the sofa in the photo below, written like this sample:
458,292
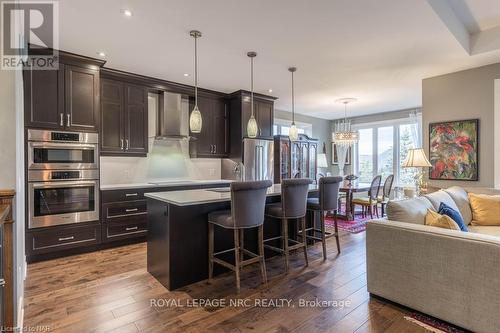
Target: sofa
448,274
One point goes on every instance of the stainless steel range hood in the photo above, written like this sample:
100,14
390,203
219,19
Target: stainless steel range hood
173,116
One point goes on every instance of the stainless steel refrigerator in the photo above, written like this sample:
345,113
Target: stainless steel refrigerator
258,159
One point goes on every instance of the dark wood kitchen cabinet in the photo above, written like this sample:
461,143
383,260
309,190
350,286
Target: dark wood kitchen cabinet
213,141
239,114
295,159
124,118
66,98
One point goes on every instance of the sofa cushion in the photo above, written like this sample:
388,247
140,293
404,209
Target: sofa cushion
485,209
409,210
485,230
444,209
435,219
459,195
441,196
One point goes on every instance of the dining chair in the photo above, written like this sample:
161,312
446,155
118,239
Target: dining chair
326,202
248,202
370,202
386,193
292,207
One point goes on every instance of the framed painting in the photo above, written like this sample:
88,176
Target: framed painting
454,150
335,158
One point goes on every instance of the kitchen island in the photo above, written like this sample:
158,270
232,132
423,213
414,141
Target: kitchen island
177,241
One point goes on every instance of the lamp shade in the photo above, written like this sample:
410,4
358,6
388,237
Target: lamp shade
293,133
416,158
252,127
195,120
322,161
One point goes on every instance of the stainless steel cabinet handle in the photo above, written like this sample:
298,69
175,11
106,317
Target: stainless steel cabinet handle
68,119
131,194
66,238
131,228
211,149
2,282
131,210
121,144
127,145
215,149
61,120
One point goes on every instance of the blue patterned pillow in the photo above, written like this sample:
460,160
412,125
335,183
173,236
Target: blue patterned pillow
444,209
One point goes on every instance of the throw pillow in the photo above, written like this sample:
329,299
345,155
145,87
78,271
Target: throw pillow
444,209
435,219
485,209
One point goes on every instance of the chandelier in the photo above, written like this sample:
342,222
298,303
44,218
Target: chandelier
343,134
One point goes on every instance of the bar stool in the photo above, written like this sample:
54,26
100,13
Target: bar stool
248,201
327,201
292,206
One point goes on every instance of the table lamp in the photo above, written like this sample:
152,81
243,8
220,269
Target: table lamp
416,159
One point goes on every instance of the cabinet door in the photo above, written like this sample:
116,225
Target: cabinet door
313,157
204,139
264,113
136,119
44,98
220,127
304,160
112,129
82,98
284,159
296,160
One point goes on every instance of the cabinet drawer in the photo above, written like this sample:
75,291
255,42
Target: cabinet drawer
123,209
58,239
133,229
122,195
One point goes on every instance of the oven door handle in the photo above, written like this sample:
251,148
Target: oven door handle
62,145
64,184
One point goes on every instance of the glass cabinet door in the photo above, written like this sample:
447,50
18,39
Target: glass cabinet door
285,153
296,160
304,160
313,153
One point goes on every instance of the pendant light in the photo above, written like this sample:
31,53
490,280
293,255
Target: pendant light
195,119
252,127
344,135
293,133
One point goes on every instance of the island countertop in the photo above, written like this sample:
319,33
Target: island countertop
205,196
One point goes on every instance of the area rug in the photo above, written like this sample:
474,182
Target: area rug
432,324
353,227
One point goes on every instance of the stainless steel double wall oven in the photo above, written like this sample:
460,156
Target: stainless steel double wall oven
63,178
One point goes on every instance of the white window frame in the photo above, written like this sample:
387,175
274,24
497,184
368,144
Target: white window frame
396,162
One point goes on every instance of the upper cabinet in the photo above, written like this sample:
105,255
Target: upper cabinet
124,118
63,99
213,140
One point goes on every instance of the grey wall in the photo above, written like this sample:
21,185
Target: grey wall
7,130
321,130
464,95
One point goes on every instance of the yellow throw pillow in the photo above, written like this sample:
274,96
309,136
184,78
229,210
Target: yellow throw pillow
485,209
434,219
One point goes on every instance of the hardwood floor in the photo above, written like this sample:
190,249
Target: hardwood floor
111,291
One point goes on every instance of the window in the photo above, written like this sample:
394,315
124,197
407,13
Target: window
382,148
385,151
365,155
282,126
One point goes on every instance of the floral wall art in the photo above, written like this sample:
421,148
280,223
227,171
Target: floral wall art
454,150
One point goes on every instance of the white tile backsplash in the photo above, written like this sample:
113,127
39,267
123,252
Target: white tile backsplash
167,160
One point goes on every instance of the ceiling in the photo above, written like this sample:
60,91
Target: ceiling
375,50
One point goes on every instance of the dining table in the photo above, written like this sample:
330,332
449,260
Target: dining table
349,188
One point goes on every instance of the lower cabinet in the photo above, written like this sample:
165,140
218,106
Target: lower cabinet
125,219
65,237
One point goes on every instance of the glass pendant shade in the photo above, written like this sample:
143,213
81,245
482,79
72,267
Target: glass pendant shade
293,133
195,120
252,127
343,134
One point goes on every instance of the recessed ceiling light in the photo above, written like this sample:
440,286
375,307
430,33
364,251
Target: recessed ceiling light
127,12
186,74
101,54
270,90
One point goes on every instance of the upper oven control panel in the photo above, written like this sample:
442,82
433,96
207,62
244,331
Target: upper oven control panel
61,136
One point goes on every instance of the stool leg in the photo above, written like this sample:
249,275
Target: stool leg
261,254
336,230
323,236
284,231
237,258
210,251
242,243
304,239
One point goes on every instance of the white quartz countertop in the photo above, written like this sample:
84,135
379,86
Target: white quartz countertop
205,196
173,183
